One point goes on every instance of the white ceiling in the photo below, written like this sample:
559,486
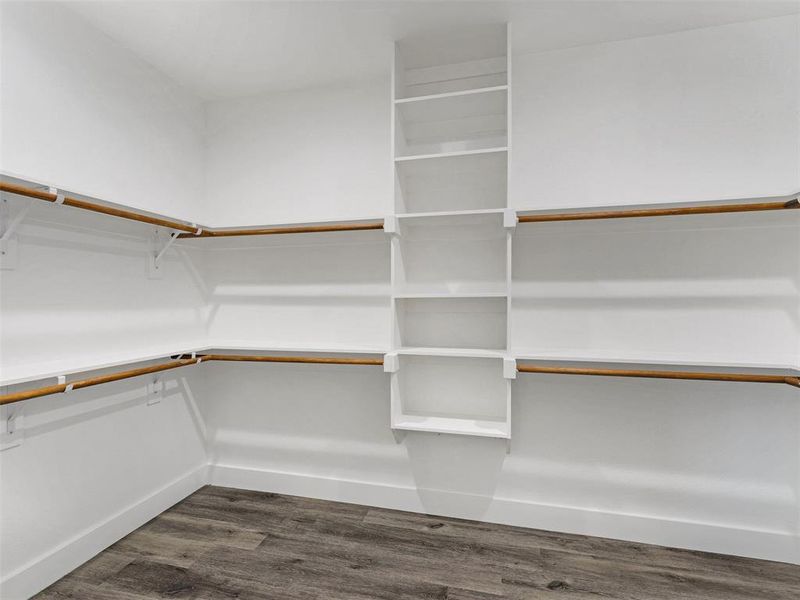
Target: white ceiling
222,49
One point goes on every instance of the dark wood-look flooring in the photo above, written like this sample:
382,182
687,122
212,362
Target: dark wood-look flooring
222,543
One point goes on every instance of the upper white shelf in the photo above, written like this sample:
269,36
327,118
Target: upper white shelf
451,352
451,154
477,293
457,94
451,213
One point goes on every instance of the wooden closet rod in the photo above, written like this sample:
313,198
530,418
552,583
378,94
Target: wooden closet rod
660,212
99,208
287,229
739,377
82,383
325,360
190,231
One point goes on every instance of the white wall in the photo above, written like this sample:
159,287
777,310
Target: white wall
83,113
299,156
80,112
699,115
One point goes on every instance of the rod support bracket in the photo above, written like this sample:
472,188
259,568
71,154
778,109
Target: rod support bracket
510,219
390,224
509,368
391,363
58,194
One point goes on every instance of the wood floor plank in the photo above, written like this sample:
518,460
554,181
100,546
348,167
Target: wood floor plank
331,576
151,579
226,543
82,581
506,539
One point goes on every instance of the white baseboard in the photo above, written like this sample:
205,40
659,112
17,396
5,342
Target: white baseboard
41,572
768,545
48,568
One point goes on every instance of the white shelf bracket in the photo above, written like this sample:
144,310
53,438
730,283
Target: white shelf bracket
173,236
391,363
12,432
157,251
509,368
510,218
8,227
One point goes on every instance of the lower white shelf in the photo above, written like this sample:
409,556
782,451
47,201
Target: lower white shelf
453,352
454,425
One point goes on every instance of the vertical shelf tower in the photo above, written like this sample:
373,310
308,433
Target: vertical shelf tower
451,234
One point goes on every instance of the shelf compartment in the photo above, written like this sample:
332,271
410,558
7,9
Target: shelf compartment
470,59
457,395
453,182
452,123
441,260
458,323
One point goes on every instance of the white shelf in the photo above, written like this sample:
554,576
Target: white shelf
456,218
28,373
446,294
665,364
453,425
436,155
451,213
13,375
453,352
245,346
483,90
